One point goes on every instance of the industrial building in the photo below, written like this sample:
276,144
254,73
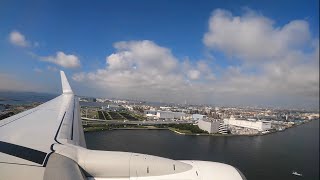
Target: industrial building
257,125
179,115
197,117
170,115
211,126
165,115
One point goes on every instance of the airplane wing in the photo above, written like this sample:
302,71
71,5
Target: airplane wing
47,143
27,139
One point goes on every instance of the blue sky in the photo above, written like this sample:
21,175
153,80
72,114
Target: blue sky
89,30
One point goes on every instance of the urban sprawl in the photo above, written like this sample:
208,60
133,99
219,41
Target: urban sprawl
211,120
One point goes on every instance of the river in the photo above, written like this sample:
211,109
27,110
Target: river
269,157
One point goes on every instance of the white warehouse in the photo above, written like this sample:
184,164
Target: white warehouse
165,115
211,126
179,115
258,125
170,115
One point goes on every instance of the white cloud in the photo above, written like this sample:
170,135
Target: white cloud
253,36
194,74
79,76
275,53
273,67
18,39
63,60
141,69
141,54
273,60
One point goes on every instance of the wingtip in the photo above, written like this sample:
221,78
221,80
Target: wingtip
66,89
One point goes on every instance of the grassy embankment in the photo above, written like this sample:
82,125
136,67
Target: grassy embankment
178,128
102,127
184,128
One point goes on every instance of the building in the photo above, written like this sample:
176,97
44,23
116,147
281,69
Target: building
197,117
165,108
112,107
151,114
313,116
257,125
211,126
165,115
179,115
223,128
129,107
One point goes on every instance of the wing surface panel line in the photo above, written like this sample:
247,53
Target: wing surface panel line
34,110
55,137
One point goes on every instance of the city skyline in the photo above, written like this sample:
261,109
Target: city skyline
243,53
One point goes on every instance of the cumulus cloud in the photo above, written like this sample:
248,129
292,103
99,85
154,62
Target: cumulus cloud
194,74
79,77
253,36
142,69
277,56
143,55
275,66
18,39
63,60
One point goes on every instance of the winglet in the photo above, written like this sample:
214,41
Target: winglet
66,89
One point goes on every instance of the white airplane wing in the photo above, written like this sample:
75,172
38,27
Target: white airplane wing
47,142
27,139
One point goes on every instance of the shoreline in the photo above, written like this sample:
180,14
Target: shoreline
96,129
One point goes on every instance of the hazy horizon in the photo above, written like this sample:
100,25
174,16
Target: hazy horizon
53,95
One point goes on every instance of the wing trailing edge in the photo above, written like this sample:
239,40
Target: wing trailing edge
66,89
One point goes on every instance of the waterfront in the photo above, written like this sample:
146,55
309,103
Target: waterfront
272,156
